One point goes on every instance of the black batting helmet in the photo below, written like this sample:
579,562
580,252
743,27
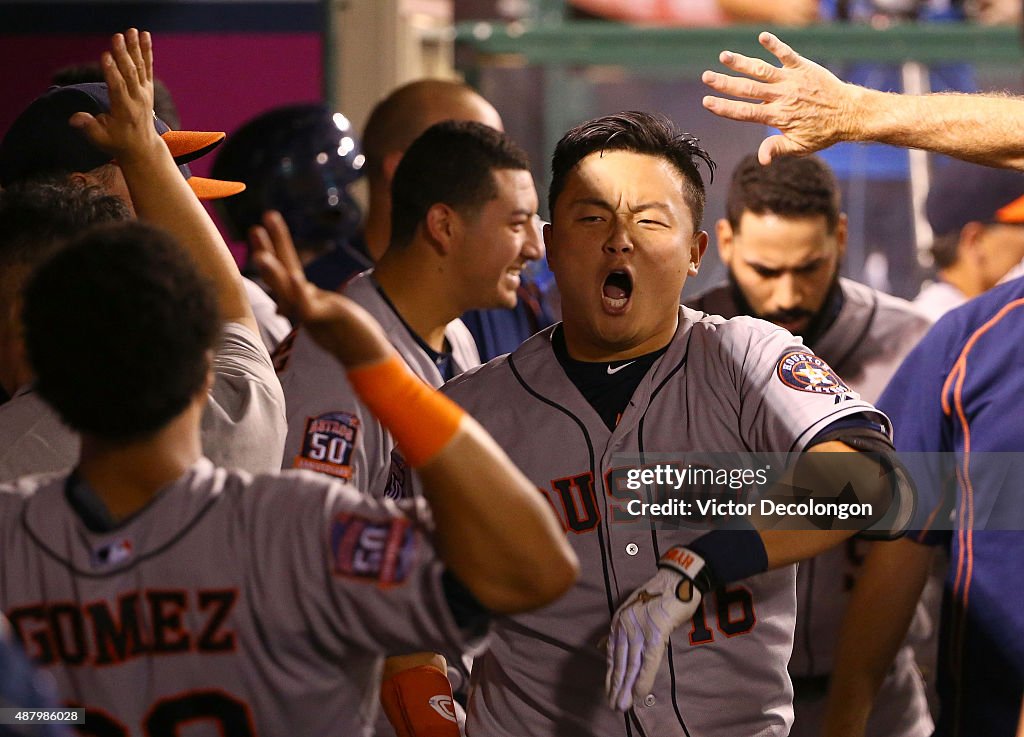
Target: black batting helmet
299,160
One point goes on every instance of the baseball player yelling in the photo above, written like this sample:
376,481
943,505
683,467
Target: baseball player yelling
701,625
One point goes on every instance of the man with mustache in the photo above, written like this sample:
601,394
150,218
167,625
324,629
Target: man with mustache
783,240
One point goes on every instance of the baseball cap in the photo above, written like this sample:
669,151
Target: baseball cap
41,142
962,193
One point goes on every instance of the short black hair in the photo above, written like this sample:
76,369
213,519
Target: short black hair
38,217
641,133
452,162
790,186
117,328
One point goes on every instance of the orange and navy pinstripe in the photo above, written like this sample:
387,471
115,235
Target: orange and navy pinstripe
953,407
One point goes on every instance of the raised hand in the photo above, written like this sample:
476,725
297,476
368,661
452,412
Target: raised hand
127,129
810,106
336,323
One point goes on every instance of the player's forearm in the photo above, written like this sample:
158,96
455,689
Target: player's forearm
494,529
828,470
891,581
786,547
986,129
162,196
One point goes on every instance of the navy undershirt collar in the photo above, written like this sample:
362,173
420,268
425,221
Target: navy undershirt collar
607,386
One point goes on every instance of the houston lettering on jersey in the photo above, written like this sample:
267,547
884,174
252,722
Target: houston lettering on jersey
574,499
144,622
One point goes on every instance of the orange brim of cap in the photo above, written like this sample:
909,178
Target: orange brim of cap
186,146
214,189
1012,213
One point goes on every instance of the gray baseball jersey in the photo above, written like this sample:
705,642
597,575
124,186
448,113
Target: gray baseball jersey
273,327
329,429
721,386
865,345
243,425
253,605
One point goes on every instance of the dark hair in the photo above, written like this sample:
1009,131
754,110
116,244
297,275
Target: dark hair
789,186
642,133
39,217
117,327
452,162
90,71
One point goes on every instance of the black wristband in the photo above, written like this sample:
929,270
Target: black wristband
730,555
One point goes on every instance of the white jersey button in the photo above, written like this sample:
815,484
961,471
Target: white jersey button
632,549
650,700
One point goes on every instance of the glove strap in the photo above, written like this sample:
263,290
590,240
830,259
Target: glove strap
684,561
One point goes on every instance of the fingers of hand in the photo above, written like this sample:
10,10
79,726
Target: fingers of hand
782,51
652,657
146,44
775,146
736,110
83,121
271,269
752,67
125,64
133,43
112,76
281,238
619,654
637,649
741,86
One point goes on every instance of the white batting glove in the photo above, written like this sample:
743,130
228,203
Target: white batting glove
642,626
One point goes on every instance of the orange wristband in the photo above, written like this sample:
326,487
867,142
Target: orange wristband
421,420
418,703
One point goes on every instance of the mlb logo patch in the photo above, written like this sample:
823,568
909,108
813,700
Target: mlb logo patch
807,373
327,444
370,551
112,554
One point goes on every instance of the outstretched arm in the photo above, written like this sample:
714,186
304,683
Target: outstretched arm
159,192
891,580
642,626
504,545
814,109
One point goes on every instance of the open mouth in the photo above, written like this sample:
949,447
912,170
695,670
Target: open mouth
617,289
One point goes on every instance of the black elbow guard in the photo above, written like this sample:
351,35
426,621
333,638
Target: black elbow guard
897,499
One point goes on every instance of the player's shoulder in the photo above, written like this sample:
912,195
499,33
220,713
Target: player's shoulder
999,303
462,344
889,313
15,497
984,319
307,497
20,490
732,332
498,374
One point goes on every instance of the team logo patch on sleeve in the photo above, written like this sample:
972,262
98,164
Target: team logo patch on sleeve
374,552
807,373
327,444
